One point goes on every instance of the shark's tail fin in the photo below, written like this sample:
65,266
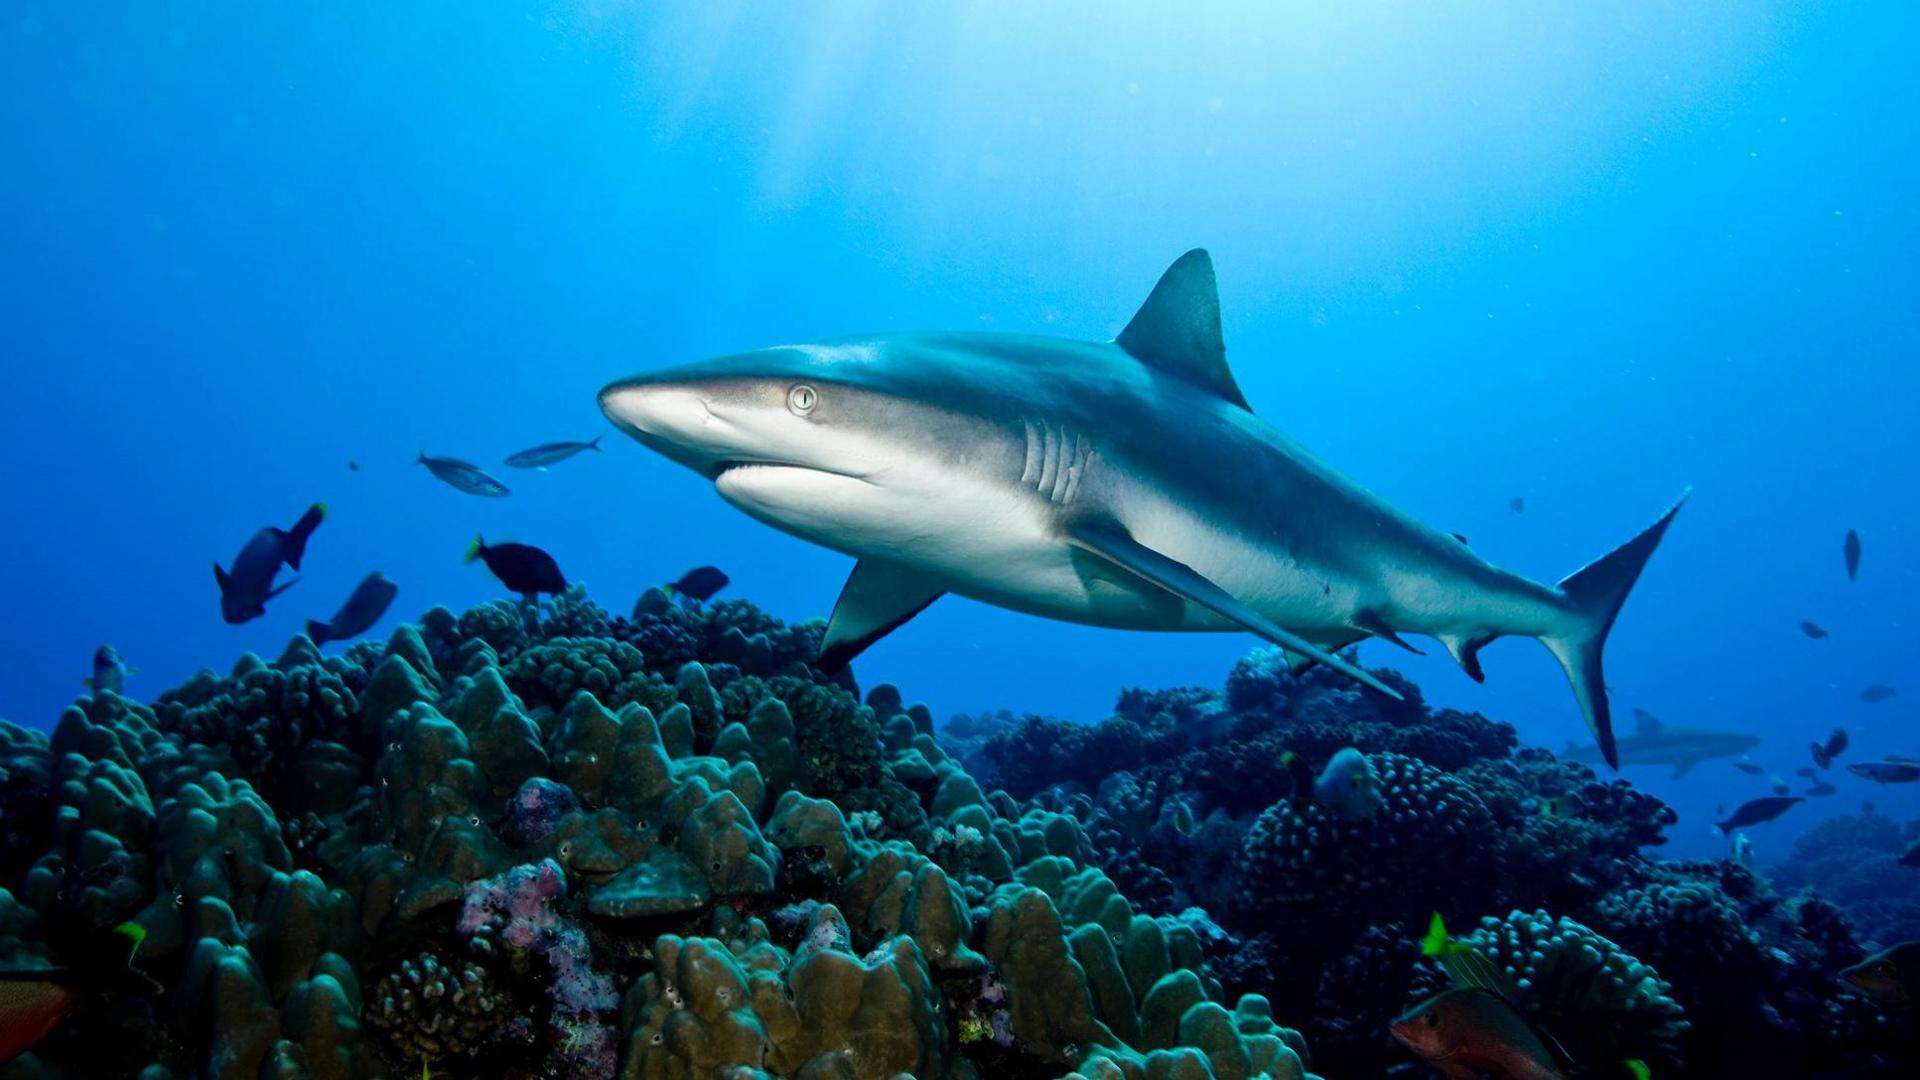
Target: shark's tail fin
319,631
1594,594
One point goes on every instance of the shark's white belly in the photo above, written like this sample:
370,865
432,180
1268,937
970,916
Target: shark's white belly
1000,542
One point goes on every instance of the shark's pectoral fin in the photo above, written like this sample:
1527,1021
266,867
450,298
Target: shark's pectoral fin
877,597
1112,543
1684,766
1300,662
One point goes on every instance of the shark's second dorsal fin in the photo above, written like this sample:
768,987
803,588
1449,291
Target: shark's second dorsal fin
1178,329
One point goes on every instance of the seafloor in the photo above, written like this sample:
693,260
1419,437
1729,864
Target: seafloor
666,846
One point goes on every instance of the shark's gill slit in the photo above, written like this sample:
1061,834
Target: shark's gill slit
1083,460
1050,456
1069,464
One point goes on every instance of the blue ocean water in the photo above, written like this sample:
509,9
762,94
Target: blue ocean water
1582,255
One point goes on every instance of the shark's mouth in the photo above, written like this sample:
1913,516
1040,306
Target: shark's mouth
723,468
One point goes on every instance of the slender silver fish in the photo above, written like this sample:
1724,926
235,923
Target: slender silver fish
552,453
462,475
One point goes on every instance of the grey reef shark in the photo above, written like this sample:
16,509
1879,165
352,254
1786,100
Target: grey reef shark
1653,742
1122,483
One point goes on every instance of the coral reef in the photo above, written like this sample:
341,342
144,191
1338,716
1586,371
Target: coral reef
665,845
1854,861
587,846
1182,798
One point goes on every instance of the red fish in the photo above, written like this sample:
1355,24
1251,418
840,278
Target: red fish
33,1001
1470,1033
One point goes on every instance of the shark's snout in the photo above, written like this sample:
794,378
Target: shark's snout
676,420
656,409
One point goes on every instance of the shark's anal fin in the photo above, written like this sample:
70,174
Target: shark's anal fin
877,597
1110,542
1466,652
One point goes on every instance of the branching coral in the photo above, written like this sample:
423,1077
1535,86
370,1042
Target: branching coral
431,1012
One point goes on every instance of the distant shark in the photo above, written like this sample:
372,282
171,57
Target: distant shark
1123,484
1654,743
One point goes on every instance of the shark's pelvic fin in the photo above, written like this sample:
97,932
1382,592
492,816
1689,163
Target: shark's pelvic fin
1178,329
1375,625
1594,594
1112,543
878,597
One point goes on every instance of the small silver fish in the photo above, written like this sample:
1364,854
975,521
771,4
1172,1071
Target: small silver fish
462,476
1348,787
1183,818
552,453
109,673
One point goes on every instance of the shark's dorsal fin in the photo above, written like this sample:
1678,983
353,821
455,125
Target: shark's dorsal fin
1645,722
1178,329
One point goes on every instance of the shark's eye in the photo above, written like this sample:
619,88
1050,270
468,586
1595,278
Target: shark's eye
802,398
